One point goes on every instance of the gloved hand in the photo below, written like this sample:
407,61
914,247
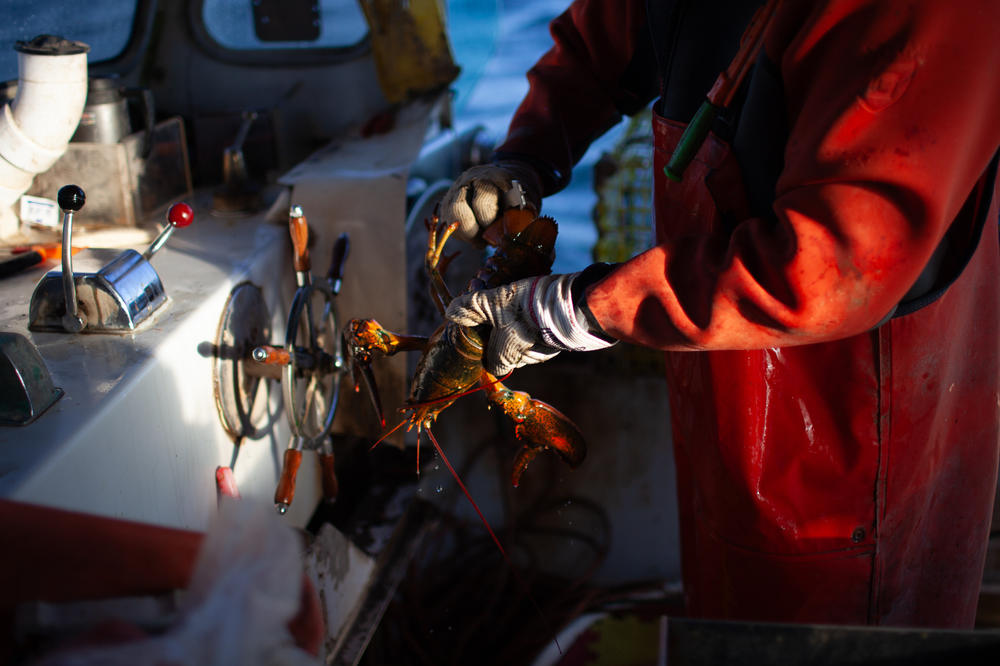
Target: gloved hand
479,196
532,319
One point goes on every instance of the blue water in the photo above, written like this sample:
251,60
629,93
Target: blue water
496,42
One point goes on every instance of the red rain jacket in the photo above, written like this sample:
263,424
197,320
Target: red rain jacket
829,469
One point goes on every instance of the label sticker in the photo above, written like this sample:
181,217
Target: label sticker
40,212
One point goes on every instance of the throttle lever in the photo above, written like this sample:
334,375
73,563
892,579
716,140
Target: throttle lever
180,215
114,291
71,199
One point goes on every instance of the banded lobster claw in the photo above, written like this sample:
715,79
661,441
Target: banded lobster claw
359,361
363,337
538,426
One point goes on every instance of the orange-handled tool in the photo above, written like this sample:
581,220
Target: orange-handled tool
721,94
26,256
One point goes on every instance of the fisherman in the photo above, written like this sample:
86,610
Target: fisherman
824,284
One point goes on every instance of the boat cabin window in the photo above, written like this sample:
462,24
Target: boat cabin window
253,25
105,25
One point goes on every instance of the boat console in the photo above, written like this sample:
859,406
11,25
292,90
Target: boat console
111,291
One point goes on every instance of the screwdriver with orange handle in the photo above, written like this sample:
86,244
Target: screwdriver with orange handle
26,256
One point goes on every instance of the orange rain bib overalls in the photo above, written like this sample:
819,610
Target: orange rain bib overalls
835,463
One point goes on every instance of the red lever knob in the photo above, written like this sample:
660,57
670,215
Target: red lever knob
180,215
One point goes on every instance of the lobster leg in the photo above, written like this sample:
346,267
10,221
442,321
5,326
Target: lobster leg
537,425
437,237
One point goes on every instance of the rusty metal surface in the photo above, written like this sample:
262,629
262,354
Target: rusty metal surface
102,171
122,186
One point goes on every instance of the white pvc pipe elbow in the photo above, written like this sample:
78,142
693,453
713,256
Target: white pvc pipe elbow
35,128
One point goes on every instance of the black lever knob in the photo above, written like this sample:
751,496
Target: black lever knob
71,197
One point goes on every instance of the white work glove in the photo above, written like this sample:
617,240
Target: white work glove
481,194
532,319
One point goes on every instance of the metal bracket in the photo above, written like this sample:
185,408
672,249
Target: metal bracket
26,388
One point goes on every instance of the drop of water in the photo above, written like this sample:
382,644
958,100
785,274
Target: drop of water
439,489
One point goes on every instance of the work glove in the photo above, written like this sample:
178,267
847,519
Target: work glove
481,194
533,319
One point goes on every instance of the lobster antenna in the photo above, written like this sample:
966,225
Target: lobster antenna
383,437
510,564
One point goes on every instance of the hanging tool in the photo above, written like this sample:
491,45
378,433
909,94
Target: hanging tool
721,94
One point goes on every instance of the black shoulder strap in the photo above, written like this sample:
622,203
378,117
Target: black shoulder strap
693,41
947,269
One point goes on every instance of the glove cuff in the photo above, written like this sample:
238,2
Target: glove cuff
551,307
549,179
590,275
530,179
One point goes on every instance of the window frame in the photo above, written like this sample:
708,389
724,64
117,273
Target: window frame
279,57
131,54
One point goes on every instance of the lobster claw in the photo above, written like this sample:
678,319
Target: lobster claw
545,428
537,425
361,370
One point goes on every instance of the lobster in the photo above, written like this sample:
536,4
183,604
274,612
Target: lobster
451,364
